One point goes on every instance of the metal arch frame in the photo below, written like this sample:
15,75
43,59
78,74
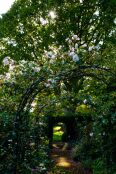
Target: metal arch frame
31,92
76,72
25,102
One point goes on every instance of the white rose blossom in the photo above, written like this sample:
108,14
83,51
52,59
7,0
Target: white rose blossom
51,81
11,67
76,46
91,48
69,41
91,134
75,37
51,55
36,69
75,58
85,101
71,54
6,61
47,85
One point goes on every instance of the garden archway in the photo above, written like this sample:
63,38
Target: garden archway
27,99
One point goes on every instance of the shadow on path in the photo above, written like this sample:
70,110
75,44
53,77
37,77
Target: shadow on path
63,161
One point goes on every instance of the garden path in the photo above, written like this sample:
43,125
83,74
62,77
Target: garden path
63,162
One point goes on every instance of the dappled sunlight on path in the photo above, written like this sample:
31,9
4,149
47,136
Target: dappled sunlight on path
61,156
63,161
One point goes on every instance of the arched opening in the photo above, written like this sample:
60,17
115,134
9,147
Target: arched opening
62,129
58,132
20,138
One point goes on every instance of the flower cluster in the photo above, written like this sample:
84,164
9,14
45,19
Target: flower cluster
73,47
49,83
51,55
6,61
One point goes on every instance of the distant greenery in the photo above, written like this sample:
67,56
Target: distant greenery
57,133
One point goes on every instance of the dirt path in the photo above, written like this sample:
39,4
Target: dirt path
63,161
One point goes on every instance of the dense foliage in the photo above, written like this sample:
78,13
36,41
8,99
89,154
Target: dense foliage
57,59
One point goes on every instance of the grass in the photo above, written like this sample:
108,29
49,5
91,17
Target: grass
57,133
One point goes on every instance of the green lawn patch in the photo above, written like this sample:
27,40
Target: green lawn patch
57,133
